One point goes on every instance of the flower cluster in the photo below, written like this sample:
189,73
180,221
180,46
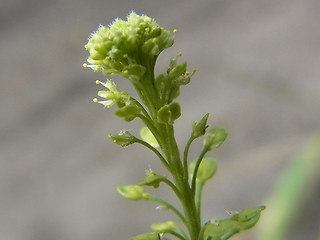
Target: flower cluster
127,47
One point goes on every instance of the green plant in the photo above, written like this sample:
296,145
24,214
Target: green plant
130,48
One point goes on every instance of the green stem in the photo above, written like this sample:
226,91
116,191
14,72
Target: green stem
173,187
198,198
144,111
149,123
185,157
187,198
177,235
229,235
162,159
194,176
169,206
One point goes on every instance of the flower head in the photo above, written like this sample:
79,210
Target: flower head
127,47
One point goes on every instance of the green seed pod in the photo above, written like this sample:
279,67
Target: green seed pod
124,138
207,169
215,137
148,137
152,179
133,192
169,113
146,236
128,112
164,227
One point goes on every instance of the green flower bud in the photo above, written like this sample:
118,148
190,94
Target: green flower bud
124,138
199,128
146,236
169,113
178,70
250,215
215,137
148,137
207,169
133,192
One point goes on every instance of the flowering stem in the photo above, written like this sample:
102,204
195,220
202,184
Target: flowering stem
187,197
130,48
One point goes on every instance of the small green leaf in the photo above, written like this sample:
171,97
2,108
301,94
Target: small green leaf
146,236
215,137
133,192
207,169
199,128
124,138
152,179
148,137
165,227
169,113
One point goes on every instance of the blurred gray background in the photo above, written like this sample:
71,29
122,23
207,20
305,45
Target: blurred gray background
258,75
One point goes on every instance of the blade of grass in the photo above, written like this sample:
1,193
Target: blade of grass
292,189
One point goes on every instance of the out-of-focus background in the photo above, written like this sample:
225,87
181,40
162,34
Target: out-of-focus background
258,75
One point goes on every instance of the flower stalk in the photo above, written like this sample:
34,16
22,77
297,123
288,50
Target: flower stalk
130,48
